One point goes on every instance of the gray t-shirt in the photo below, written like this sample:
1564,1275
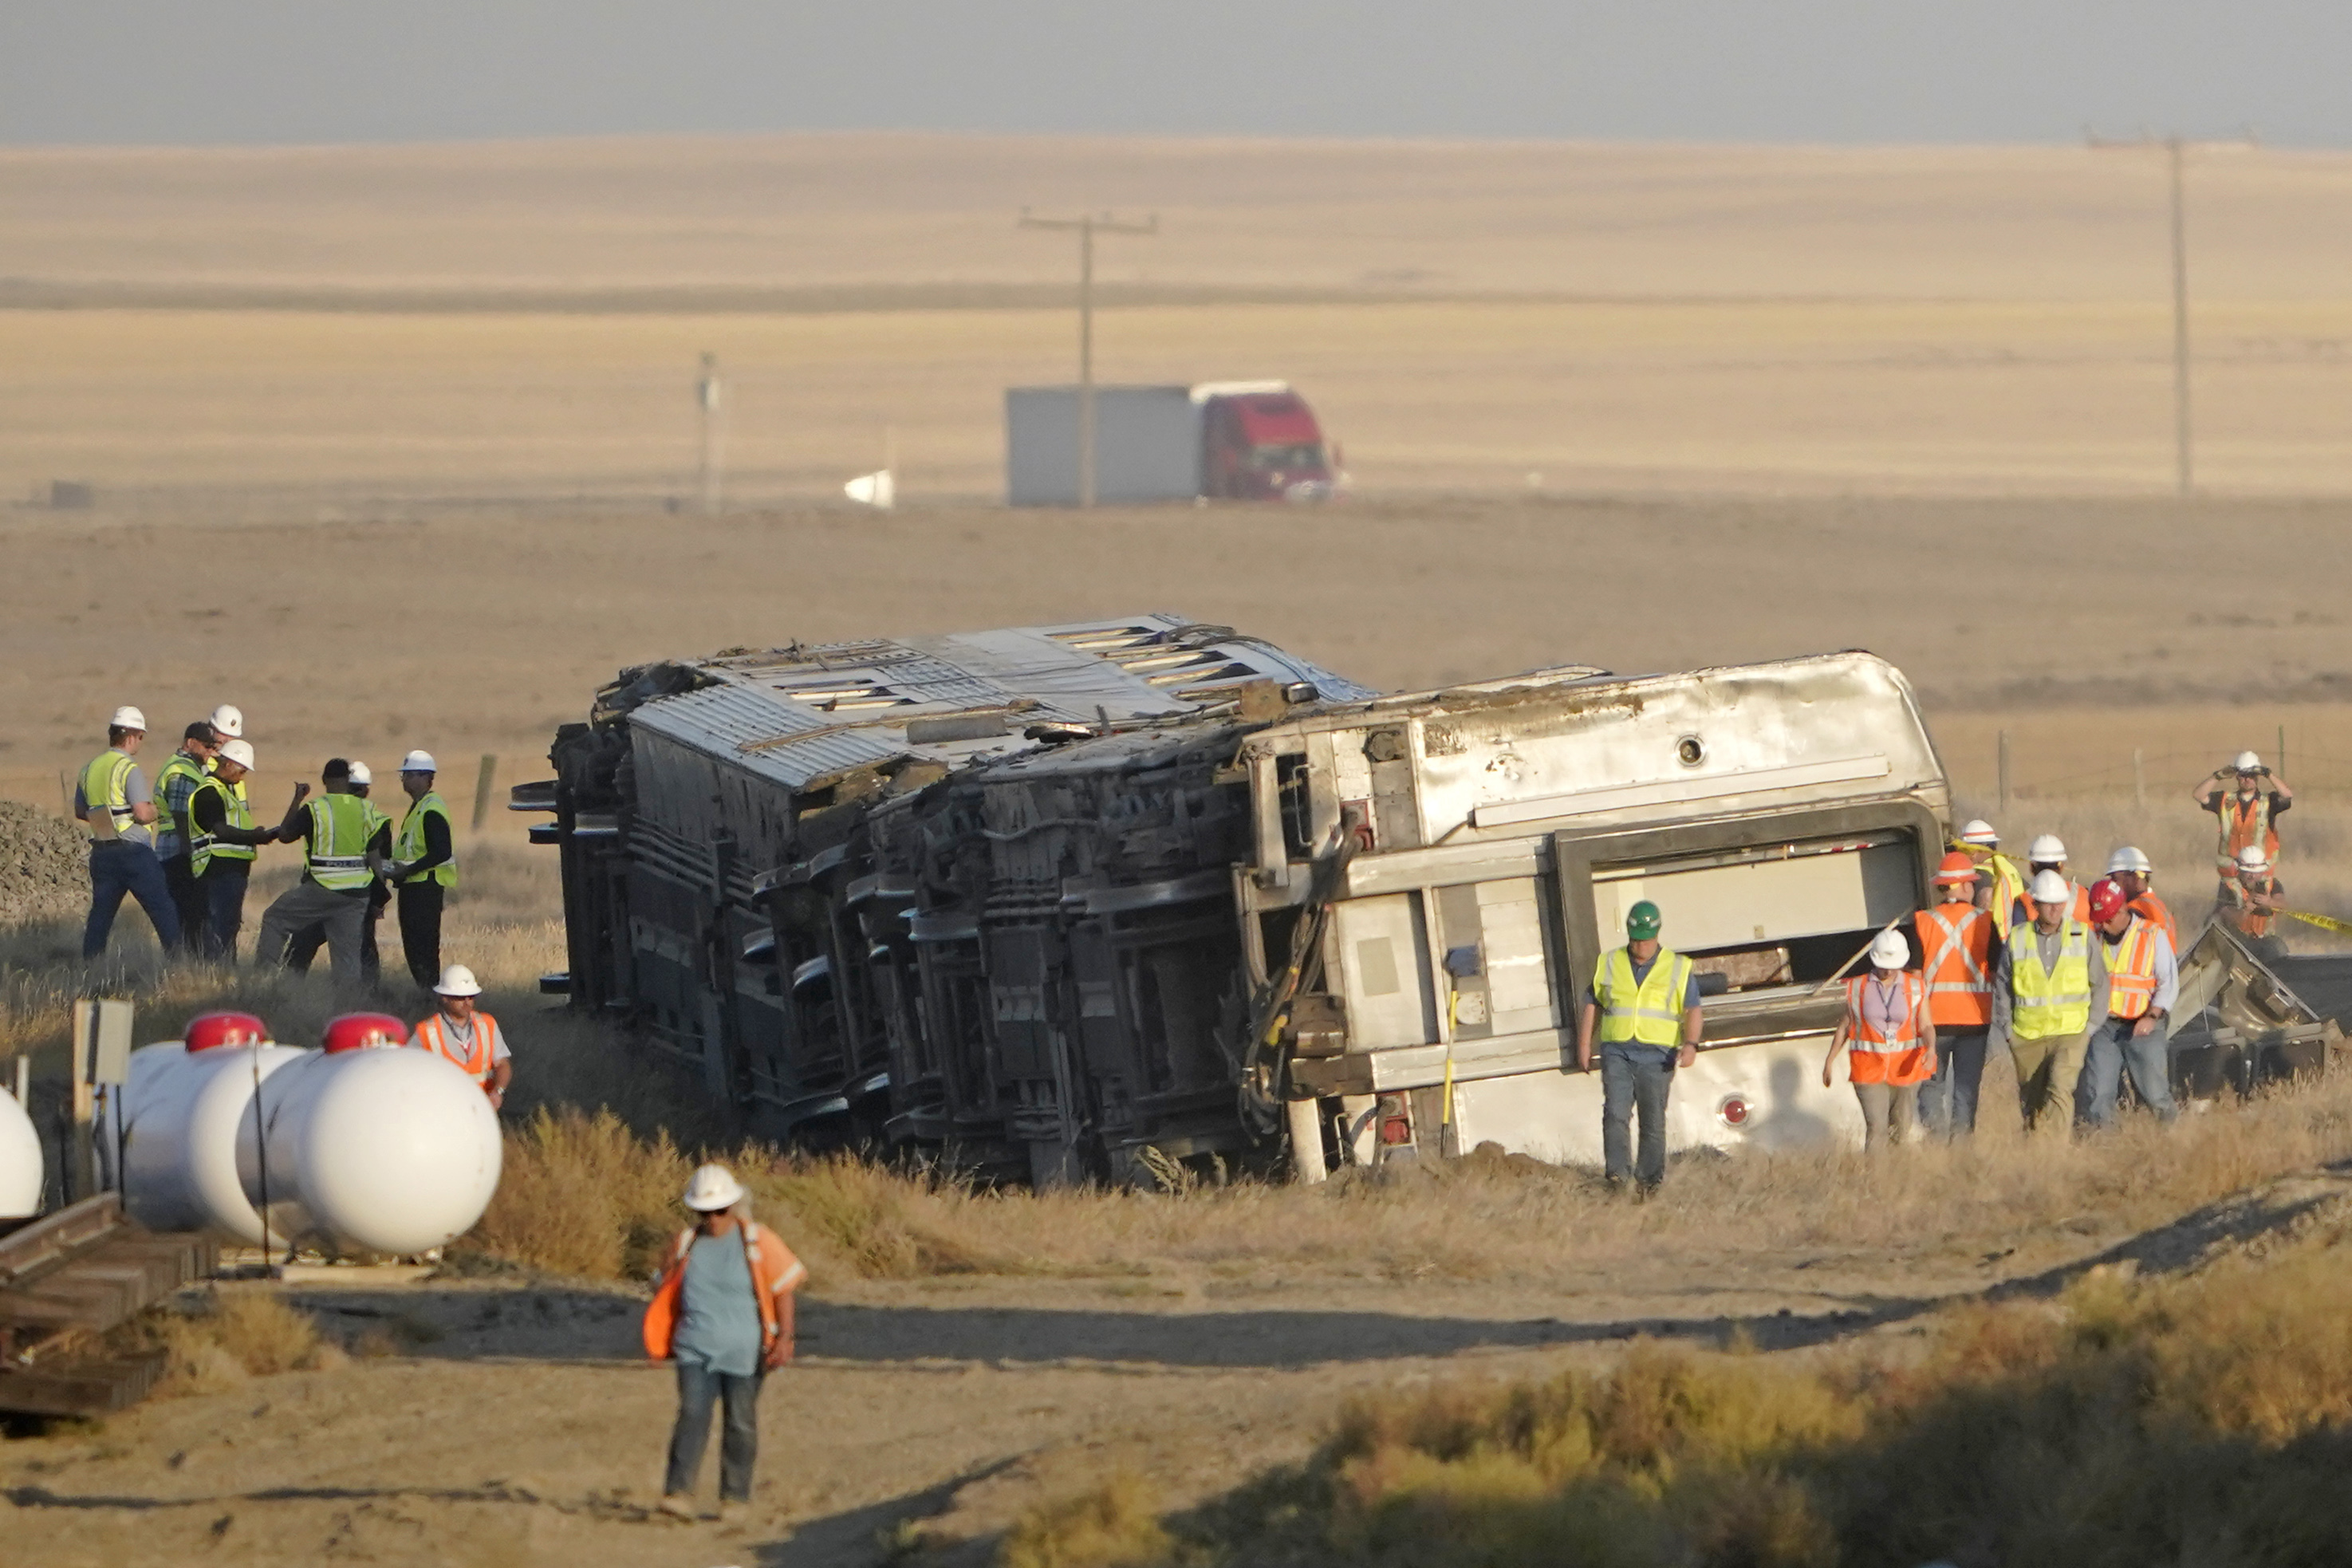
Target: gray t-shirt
718,1317
135,790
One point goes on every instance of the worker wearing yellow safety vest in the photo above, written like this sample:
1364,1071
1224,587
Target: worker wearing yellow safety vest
2000,884
424,867
2143,982
2048,853
222,845
2050,982
345,840
2248,799
113,800
1644,1007
188,767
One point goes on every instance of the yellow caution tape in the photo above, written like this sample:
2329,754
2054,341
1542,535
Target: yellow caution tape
2326,923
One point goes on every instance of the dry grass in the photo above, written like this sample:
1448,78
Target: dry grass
1114,1526
227,1336
2201,1420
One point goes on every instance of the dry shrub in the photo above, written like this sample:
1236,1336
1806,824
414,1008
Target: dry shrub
1116,1525
2202,1419
233,1335
582,1194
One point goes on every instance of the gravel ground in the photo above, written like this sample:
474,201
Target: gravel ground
43,864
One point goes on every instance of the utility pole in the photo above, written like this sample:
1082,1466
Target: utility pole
2184,468
706,398
1087,225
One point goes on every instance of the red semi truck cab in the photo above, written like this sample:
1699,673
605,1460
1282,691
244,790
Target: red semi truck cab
1259,441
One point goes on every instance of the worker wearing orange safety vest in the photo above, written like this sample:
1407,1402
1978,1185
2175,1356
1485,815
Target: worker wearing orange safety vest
2132,872
1889,1037
465,1036
2048,853
2249,799
2143,982
2000,883
1954,943
723,1310
2249,902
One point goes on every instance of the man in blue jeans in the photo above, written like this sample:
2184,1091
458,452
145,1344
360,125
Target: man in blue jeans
114,801
1643,1005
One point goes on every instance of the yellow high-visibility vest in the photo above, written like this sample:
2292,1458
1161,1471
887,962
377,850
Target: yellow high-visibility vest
412,842
202,849
106,787
2048,1004
1650,1012
336,855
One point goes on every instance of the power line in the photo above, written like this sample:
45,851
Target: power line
1087,225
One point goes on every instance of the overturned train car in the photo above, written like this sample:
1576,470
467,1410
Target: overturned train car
1080,900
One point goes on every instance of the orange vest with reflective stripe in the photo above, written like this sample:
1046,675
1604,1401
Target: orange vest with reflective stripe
2244,824
774,1270
2131,971
1956,948
2244,917
474,1063
1896,1057
2150,908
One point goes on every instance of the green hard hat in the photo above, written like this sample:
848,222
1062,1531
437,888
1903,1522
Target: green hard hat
1642,920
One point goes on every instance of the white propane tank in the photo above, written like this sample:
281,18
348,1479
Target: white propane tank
371,1149
20,1161
175,1142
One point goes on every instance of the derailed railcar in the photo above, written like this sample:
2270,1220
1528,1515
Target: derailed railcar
1081,900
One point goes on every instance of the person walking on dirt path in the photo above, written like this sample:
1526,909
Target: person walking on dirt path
2251,902
2143,982
344,840
222,847
1643,1005
462,1034
424,869
1954,940
2248,799
1889,1039
189,766
2133,874
112,799
2000,884
2050,980
723,1310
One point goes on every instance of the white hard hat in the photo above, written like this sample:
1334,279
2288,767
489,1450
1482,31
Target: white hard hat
419,763
360,774
229,720
2247,763
1978,831
458,981
2254,858
128,718
713,1187
2049,888
2128,859
2045,850
1889,950
238,751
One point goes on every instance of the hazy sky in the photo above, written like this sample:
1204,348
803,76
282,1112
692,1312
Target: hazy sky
1834,70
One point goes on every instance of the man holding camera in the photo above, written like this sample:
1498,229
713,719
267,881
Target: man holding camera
2248,800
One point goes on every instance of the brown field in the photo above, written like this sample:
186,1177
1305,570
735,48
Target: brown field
382,439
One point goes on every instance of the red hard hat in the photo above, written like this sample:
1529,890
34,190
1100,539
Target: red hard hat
360,1031
2107,899
209,1029
1957,867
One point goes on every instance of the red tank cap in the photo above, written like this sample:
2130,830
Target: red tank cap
209,1029
363,1031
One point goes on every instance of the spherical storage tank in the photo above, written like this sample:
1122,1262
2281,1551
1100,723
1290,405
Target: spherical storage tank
357,1147
20,1161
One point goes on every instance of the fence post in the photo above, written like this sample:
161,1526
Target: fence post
2140,782
484,782
2281,768
2004,773
64,796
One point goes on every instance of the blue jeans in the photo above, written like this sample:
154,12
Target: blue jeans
1948,1102
224,884
1634,1074
698,1388
120,866
2114,1052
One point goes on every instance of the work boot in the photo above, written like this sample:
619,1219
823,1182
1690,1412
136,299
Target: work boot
677,1505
